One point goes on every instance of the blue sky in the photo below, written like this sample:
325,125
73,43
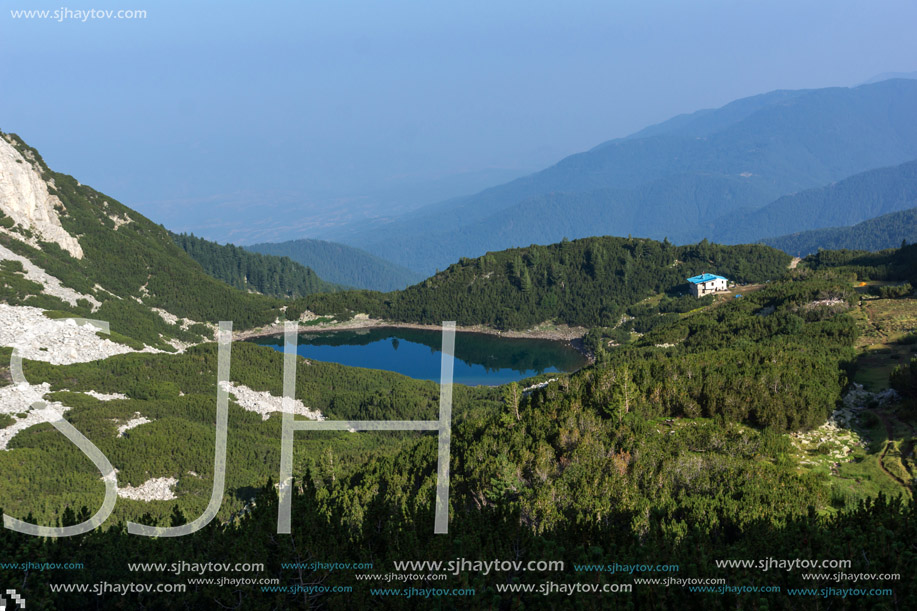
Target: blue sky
218,108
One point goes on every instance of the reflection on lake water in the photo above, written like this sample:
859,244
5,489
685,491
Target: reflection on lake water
479,358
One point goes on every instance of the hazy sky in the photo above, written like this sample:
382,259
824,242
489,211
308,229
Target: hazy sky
205,103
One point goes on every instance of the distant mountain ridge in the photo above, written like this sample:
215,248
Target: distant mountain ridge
880,233
890,75
703,122
673,179
855,199
341,264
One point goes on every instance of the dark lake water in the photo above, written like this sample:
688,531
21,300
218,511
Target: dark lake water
479,358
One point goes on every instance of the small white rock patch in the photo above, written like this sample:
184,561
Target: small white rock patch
156,489
133,423
120,220
18,399
265,403
528,389
105,396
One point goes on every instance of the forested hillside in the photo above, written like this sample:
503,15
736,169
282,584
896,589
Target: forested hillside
582,282
342,264
847,202
680,444
777,358
887,265
671,449
278,276
880,233
175,393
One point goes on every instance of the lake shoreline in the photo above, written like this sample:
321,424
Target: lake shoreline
562,333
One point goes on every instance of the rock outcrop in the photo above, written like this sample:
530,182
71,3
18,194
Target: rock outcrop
156,489
24,197
55,341
265,403
49,284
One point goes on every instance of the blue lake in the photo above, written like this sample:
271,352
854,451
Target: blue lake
479,358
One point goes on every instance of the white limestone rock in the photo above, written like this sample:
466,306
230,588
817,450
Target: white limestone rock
17,399
50,285
55,341
156,489
265,403
24,197
133,423
105,396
